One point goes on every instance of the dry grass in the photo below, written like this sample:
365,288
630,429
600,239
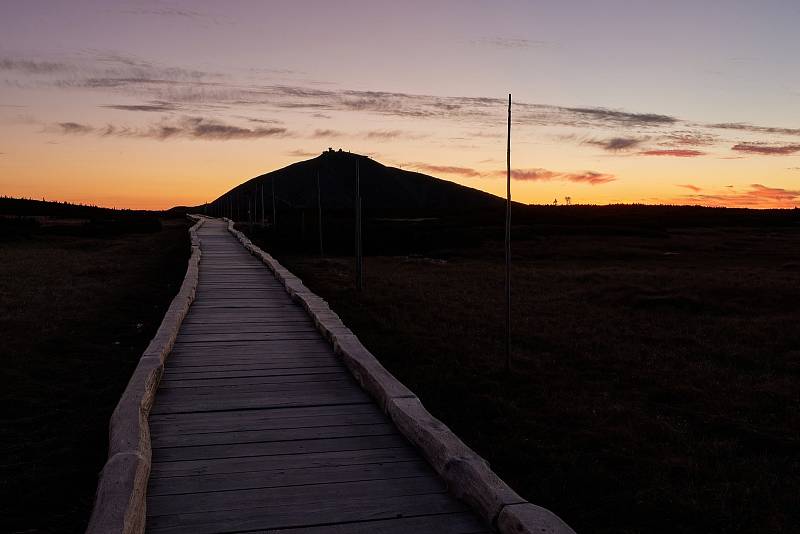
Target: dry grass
656,383
75,315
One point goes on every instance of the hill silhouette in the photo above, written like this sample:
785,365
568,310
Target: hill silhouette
410,212
383,189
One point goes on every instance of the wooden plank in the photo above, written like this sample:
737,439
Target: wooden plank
292,495
296,346
309,460
271,434
247,318
296,317
452,523
248,336
297,380
254,362
216,382
297,514
277,400
281,477
216,358
166,426
238,304
252,373
242,328
323,360
264,390
239,450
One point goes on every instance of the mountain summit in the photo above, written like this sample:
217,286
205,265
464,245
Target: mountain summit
383,189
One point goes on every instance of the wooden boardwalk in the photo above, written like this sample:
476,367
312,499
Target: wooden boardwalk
258,427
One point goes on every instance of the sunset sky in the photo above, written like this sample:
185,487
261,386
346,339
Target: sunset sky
151,104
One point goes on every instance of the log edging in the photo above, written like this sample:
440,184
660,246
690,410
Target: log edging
120,500
466,473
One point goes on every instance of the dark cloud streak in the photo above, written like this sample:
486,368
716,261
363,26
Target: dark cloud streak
766,150
198,128
675,153
616,144
587,177
152,107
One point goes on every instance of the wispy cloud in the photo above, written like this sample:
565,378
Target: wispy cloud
617,144
675,153
299,153
74,128
388,135
324,133
740,126
588,177
691,187
766,149
466,172
259,120
624,118
511,43
688,138
167,89
185,87
29,66
757,196
154,106
198,128
163,12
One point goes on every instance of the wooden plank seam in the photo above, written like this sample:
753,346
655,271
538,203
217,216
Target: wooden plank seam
120,499
468,476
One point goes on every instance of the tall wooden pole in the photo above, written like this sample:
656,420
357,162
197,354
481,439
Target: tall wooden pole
274,212
263,216
508,241
359,258
319,216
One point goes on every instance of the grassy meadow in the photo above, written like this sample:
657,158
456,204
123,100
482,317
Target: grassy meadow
79,301
656,371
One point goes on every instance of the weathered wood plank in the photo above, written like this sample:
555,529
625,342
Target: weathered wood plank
247,336
292,495
325,510
268,391
167,425
215,403
261,327
272,434
282,477
297,380
310,460
453,523
238,450
255,344
219,360
311,361
170,375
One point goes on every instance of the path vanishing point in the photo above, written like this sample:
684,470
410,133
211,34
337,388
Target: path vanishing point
257,426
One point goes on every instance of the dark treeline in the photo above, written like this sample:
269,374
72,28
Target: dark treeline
20,217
